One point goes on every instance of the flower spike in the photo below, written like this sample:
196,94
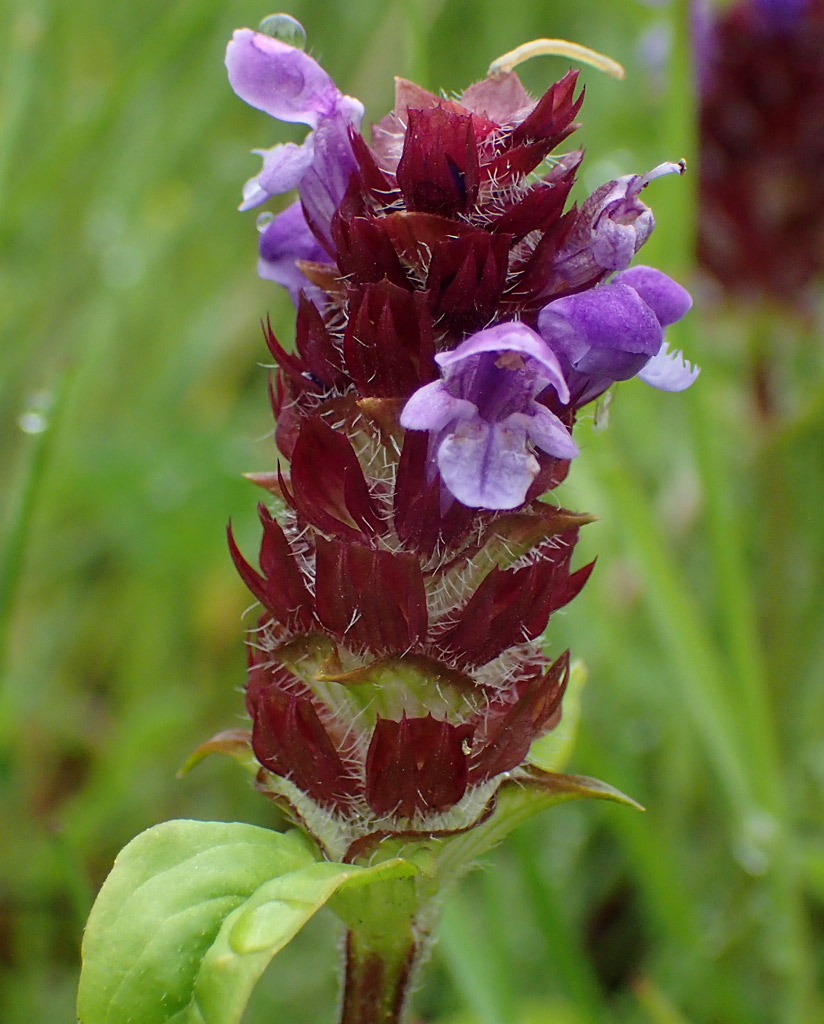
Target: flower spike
453,316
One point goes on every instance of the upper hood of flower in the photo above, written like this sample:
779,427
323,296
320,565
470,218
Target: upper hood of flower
278,79
613,331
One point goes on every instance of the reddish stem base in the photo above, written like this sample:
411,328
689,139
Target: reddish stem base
376,984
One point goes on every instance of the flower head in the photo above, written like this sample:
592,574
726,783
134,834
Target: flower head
452,318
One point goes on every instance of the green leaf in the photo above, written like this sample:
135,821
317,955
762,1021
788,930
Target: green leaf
192,913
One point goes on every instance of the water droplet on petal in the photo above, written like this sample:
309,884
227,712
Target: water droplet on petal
285,29
264,220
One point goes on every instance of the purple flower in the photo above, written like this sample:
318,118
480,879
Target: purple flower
610,228
290,86
484,415
283,242
616,331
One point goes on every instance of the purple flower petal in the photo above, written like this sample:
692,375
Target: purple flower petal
433,408
278,79
665,297
487,465
610,228
620,223
616,331
324,185
283,168
606,331
291,86
285,241
510,337
668,371
547,432
484,415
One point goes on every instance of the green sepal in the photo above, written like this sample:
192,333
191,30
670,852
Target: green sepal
192,913
438,689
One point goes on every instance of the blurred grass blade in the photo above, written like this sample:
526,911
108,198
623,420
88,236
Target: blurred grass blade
25,26
701,677
477,967
658,1006
40,424
748,675
562,946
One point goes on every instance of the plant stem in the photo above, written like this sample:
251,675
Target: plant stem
376,979
388,929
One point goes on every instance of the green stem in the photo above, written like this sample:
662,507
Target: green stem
388,929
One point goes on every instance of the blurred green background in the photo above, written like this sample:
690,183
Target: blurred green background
131,400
